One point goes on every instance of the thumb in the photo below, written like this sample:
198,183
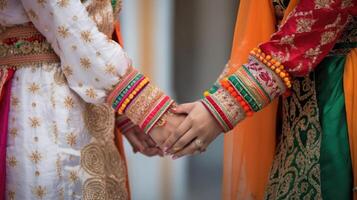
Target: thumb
183,108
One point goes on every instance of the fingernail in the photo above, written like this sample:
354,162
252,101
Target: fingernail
165,149
174,157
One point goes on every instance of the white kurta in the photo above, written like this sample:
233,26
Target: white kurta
59,146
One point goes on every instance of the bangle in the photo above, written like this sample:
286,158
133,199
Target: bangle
273,64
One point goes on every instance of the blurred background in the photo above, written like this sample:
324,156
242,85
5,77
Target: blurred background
182,45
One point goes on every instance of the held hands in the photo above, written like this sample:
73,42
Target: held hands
186,132
194,134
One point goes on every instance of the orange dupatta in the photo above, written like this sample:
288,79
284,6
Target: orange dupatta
249,149
350,89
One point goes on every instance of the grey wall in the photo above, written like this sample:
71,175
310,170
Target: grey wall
203,34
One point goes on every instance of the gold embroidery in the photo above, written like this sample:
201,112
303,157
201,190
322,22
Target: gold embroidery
288,40
35,157
86,36
327,37
63,31
32,14
99,120
69,102
34,122
42,2
34,88
12,161
15,101
63,3
39,191
296,164
73,176
101,158
313,53
59,167
71,139
85,63
110,69
346,4
92,159
104,189
67,71
59,77
13,132
91,93
323,3
304,25
102,14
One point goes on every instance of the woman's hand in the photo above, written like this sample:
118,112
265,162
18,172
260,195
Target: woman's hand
142,143
194,134
160,133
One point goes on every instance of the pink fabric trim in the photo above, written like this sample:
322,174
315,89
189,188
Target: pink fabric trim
4,118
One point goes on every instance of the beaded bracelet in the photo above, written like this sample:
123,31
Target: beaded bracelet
274,65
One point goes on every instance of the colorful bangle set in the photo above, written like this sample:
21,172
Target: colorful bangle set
127,90
223,108
124,124
141,102
273,64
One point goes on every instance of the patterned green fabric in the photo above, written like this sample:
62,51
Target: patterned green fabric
296,168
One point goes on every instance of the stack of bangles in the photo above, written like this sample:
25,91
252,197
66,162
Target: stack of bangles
245,89
124,124
150,103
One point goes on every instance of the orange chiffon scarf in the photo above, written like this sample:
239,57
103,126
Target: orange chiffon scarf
249,148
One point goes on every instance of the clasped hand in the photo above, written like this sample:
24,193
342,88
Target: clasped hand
186,132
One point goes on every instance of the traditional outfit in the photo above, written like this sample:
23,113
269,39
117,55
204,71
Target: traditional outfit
62,79
305,148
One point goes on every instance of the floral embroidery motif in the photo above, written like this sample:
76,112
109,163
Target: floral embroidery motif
304,25
110,69
85,63
13,132
63,3
346,4
63,31
91,93
327,37
71,139
11,160
73,176
67,71
32,14
86,36
39,191
42,2
68,102
323,3
34,122
35,157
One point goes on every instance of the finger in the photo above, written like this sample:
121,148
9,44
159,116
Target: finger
134,141
152,152
177,134
183,108
183,141
150,142
189,150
